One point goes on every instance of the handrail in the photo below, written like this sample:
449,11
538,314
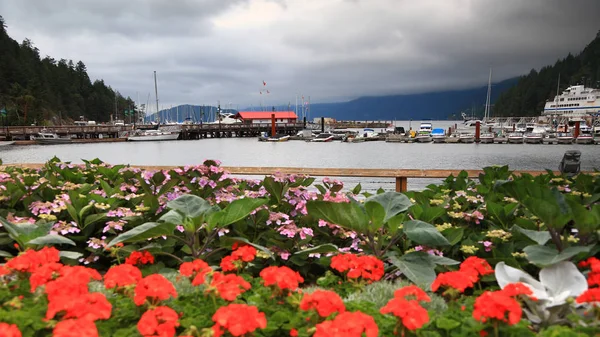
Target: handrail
401,175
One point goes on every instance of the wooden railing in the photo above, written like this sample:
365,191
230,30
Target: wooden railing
400,175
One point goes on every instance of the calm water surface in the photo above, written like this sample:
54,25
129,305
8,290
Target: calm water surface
250,152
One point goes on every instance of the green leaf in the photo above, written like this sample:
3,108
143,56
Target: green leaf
70,255
424,234
345,214
416,266
392,202
93,218
356,190
544,256
540,237
143,232
454,235
51,239
189,205
443,261
376,214
275,188
5,254
446,323
173,217
239,209
324,248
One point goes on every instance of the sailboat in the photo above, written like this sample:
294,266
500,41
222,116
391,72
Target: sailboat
156,134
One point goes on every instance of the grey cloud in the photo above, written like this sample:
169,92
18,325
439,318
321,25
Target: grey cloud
212,50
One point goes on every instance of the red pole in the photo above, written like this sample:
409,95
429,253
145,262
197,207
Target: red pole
272,125
566,127
577,129
477,131
514,127
449,130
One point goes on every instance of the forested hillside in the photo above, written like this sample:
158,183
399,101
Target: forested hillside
44,90
528,97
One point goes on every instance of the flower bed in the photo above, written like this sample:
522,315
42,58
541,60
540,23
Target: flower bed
195,252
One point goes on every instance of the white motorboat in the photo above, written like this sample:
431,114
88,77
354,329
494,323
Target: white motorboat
153,135
47,138
438,135
585,138
323,137
424,133
278,138
7,143
515,138
486,138
453,138
500,139
533,138
564,138
466,138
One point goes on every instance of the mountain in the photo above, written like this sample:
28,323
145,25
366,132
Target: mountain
43,90
432,105
528,96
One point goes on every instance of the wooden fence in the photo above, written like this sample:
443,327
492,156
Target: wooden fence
400,175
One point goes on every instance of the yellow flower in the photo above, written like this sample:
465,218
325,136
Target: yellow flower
413,200
443,226
575,193
436,202
48,217
139,208
410,250
456,215
519,254
468,249
586,195
499,233
512,200
456,206
557,180
261,254
101,206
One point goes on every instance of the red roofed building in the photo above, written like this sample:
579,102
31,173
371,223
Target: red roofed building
264,117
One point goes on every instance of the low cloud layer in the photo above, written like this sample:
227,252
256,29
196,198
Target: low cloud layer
206,51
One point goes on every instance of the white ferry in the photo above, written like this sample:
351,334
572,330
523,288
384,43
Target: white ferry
576,101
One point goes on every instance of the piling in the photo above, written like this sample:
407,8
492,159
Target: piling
449,130
304,122
272,125
577,125
477,131
566,127
322,124
514,127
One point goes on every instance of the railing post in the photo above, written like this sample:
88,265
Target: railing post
401,184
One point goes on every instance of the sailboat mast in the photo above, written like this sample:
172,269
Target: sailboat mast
556,98
488,98
156,93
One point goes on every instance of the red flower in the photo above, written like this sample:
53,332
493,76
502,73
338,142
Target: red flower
238,319
515,289
155,287
121,276
4,271
324,301
9,330
589,296
30,260
413,315
413,291
282,277
366,266
72,282
458,280
497,305
92,307
245,253
160,321
348,324
75,328
140,257
228,286
593,277
293,333
228,264
197,269
44,274
477,266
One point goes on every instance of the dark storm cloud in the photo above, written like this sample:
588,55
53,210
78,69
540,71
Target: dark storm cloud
212,50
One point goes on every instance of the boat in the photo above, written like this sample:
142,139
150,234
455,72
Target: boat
7,143
564,138
323,137
550,138
47,138
585,138
424,133
486,138
515,138
453,138
278,138
153,135
500,139
438,135
225,118
466,138
577,101
533,138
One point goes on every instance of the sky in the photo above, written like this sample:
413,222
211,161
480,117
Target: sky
209,51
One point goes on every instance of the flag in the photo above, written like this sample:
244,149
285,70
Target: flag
261,92
268,92
264,83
